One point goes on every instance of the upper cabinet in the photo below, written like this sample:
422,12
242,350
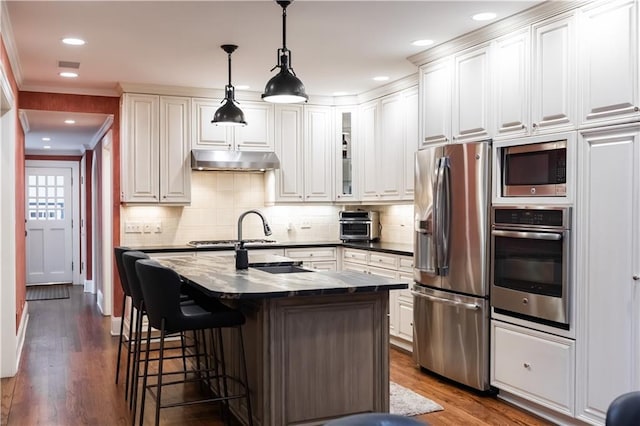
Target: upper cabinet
435,102
388,141
257,135
511,79
304,145
155,146
608,69
471,95
346,164
554,75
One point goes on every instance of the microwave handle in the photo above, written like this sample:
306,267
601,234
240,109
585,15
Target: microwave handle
529,235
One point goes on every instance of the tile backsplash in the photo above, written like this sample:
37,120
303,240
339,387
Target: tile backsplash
218,199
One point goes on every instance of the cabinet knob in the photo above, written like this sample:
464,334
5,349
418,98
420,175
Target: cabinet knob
534,125
310,254
446,139
524,126
636,277
527,365
636,109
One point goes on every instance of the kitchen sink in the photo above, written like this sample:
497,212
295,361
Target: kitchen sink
281,269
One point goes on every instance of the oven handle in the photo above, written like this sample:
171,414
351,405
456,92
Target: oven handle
347,221
529,235
472,306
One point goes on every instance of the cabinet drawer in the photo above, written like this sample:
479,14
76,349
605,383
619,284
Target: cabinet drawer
381,272
325,265
312,254
406,263
355,256
383,260
534,365
355,267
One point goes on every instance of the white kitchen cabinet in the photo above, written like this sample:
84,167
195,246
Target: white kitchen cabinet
346,164
388,142
554,75
608,54
435,102
318,152
155,150
369,171
389,149
400,301
411,141
511,83
608,268
257,135
318,258
304,145
471,95
533,365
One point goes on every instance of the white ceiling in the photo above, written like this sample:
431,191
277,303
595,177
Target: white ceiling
335,45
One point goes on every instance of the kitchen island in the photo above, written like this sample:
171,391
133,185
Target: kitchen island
316,342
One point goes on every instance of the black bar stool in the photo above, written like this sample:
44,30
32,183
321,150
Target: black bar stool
124,283
161,290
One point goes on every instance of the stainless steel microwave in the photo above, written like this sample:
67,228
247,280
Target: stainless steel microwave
535,170
359,225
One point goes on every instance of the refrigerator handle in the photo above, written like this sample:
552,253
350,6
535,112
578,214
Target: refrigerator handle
445,223
437,216
455,303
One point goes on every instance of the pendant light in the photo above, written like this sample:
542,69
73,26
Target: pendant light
284,87
229,114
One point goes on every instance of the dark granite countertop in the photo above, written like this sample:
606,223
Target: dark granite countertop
393,248
218,277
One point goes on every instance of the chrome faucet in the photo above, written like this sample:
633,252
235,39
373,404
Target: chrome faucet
242,258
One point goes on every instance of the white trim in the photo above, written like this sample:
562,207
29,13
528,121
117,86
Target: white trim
75,207
89,286
111,93
100,301
100,133
544,412
24,121
393,87
9,43
106,280
22,332
115,326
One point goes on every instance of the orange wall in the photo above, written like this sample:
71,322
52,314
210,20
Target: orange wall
20,248
90,104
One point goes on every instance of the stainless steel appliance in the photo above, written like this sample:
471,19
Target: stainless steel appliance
535,170
530,257
359,225
451,307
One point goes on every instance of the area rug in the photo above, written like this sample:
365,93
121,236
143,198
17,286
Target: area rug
48,292
405,402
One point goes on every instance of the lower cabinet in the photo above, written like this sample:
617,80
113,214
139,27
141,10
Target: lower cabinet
400,301
536,366
318,258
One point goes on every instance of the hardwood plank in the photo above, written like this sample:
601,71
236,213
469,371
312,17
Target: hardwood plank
66,377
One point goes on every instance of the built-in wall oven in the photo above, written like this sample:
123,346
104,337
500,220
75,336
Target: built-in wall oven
530,262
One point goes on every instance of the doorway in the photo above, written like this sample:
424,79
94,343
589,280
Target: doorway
52,210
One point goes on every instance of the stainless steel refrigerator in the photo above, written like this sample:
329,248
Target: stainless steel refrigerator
451,290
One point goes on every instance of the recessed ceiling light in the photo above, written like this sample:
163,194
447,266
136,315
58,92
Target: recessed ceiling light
46,139
68,74
47,147
340,93
242,87
424,42
72,41
381,78
485,16
70,121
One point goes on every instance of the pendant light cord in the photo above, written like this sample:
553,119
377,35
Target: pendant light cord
284,27
229,60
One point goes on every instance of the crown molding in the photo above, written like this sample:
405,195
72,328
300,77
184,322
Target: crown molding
71,91
24,121
100,133
485,34
393,87
6,31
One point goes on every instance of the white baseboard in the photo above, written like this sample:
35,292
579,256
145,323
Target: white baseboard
89,286
22,332
544,412
100,301
115,325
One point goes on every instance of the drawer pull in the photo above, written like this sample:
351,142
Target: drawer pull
527,365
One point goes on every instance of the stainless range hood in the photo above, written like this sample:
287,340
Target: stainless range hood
204,159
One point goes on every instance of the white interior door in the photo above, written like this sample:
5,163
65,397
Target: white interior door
49,227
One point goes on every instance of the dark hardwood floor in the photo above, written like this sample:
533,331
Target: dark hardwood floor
66,378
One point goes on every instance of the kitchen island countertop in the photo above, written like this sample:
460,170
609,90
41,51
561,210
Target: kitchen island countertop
218,277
